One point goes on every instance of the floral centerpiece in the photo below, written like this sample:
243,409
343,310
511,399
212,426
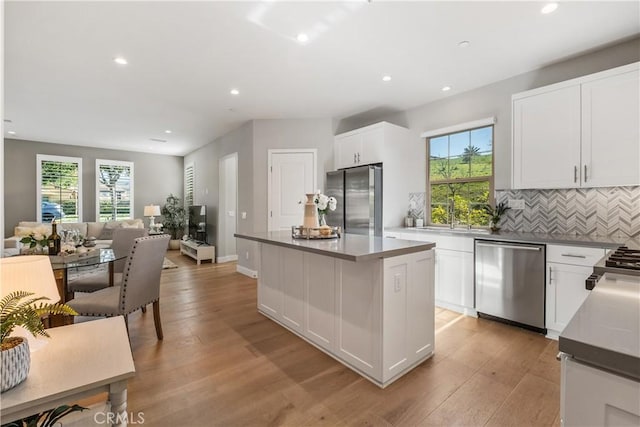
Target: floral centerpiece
324,204
36,239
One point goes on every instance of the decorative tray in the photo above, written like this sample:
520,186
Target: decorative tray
74,256
312,233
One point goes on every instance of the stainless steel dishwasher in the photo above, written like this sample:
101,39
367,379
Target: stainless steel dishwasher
510,282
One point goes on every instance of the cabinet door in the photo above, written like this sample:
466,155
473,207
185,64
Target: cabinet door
372,146
546,139
454,278
269,283
565,293
347,149
292,281
320,285
611,131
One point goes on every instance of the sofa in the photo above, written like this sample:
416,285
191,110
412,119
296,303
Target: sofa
102,231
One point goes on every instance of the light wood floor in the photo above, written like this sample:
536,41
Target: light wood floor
221,363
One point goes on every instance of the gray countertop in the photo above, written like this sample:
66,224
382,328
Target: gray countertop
350,247
605,331
515,236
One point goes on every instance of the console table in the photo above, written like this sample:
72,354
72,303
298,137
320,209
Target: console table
78,361
198,251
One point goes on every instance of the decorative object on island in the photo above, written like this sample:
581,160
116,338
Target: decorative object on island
175,220
152,211
324,203
310,219
322,232
22,278
495,214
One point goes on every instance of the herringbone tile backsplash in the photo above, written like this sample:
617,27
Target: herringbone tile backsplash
597,211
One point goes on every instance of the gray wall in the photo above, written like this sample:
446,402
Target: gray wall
155,177
493,100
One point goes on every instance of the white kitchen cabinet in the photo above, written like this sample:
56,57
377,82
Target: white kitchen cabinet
580,133
611,130
567,269
366,145
319,300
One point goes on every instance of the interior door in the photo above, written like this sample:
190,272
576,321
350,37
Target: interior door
292,174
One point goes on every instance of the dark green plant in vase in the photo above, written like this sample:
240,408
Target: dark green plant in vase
495,214
174,217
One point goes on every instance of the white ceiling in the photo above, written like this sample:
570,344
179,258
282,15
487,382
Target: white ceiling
62,86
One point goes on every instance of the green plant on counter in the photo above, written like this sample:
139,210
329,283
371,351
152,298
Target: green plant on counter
495,214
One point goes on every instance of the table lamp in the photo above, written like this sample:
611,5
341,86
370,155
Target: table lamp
30,273
152,211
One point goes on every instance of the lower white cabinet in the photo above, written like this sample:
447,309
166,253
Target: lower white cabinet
567,269
375,316
594,397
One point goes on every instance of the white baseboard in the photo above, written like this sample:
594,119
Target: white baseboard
227,258
247,272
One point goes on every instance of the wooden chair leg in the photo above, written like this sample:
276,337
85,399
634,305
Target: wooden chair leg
156,319
144,309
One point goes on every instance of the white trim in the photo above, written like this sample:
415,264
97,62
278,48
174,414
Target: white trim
247,272
459,127
39,159
106,162
270,153
191,165
227,258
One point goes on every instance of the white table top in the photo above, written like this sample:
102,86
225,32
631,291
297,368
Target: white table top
77,358
351,247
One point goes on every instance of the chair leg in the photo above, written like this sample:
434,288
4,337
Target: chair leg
144,308
126,323
156,319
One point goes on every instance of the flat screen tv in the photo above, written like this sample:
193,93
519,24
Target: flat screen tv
198,223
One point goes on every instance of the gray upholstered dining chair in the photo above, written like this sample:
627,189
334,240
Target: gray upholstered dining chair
140,284
122,242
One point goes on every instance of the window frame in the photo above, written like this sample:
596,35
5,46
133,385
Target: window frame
106,162
61,159
479,124
188,166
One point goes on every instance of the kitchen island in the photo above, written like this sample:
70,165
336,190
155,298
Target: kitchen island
366,301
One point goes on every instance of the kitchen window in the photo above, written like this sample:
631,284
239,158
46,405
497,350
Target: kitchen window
59,189
114,188
460,176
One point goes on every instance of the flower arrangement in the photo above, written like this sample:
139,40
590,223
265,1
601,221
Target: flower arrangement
324,204
36,237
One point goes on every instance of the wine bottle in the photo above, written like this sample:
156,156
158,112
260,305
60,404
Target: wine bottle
54,240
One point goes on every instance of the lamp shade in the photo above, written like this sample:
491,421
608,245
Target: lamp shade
30,273
152,210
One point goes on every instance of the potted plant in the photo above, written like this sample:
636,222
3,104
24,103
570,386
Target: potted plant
27,314
174,220
495,214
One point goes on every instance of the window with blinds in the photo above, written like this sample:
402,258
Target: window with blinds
59,192
114,190
189,176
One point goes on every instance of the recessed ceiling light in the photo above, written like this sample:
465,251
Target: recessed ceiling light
464,43
446,88
548,8
120,60
167,131
11,132
302,38
386,78
234,92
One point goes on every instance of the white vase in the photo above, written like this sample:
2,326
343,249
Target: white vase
310,213
15,364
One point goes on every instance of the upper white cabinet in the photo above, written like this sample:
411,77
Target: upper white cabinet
366,145
583,132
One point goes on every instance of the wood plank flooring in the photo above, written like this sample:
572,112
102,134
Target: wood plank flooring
223,364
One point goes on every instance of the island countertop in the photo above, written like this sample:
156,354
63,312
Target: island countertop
350,247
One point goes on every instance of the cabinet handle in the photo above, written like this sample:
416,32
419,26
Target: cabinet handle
575,174
574,256
354,158
585,173
550,278
359,158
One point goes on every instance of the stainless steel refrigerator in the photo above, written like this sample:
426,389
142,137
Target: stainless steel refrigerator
359,195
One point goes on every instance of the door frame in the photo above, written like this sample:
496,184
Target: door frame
222,189
270,153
